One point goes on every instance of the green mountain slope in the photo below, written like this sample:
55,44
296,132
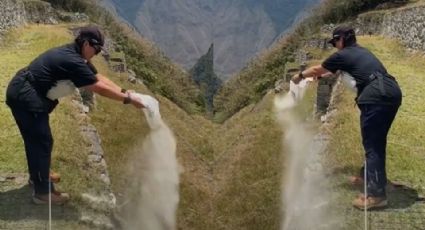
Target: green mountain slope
204,76
238,28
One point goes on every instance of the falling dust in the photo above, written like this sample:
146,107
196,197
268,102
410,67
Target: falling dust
154,194
306,194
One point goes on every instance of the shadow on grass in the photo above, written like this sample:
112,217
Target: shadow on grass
400,195
16,205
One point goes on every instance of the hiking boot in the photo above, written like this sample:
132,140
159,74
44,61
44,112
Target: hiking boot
59,193
54,178
58,198
370,202
356,180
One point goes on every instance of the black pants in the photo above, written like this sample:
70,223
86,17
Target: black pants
38,140
375,122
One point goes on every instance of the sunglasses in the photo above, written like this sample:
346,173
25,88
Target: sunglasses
97,47
334,39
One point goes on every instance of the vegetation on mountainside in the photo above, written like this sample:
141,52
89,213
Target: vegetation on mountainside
259,76
156,70
35,6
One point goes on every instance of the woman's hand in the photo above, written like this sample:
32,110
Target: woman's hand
296,78
136,101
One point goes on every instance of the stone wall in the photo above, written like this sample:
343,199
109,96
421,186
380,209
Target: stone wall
12,14
324,94
39,12
406,24
99,202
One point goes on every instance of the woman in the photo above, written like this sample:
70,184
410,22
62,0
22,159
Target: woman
378,98
32,94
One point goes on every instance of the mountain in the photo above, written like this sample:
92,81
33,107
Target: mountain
184,29
203,75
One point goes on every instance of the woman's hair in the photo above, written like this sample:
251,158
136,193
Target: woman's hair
345,32
91,34
349,39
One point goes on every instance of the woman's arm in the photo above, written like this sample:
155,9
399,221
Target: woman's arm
109,89
313,71
110,83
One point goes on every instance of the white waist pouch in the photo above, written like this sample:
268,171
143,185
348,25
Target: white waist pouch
348,81
61,89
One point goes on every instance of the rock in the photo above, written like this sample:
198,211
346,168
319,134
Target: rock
324,94
73,17
81,107
12,14
132,79
98,222
102,202
95,158
405,24
279,86
105,178
10,177
89,100
40,12
20,180
327,29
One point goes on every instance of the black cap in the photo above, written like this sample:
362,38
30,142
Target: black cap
341,31
92,34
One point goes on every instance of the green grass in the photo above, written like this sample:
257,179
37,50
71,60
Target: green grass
248,170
